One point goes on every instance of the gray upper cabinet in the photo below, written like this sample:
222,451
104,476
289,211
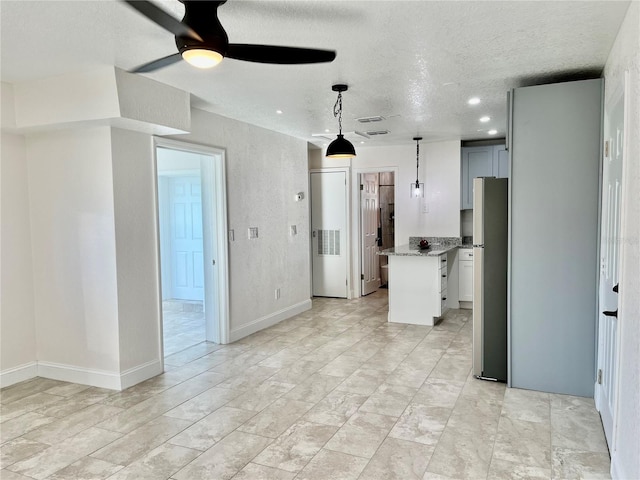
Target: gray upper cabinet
486,161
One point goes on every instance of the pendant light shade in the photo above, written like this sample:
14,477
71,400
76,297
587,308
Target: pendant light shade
340,147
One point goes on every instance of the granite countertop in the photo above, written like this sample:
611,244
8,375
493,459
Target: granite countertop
407,251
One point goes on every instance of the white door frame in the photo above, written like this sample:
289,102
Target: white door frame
214,220
355,216
348,219
621,89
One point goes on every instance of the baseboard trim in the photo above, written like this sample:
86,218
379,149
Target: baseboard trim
84,376
269,320
617,471
138,374
18,374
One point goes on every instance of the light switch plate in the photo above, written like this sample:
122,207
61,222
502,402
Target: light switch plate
425,207
232,235
253,232
293,230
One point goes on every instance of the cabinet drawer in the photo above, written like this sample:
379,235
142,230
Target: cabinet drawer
465,254
442,259
443,302
443,279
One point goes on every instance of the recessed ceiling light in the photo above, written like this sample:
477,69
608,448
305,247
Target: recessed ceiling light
326,130
279,112
492,132
485,119
361,142
473,101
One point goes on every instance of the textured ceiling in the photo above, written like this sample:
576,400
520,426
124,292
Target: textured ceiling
415,63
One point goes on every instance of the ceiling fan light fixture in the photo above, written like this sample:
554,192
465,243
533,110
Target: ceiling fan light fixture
202,57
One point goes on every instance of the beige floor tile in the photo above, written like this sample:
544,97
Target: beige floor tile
212,428
203,404
9,475
571,464
274,420
527,405
296,447
66,427
224,459
86,468
363,381
67,389
253,471
398,460
64,454
335,408
578,430
315,388
159,463
298,373
18,449
262,396
421,423
527,443
342,366
76,402
484,388
25,389
439,392
20,425
362,434
502,470
410,375
452,367
141,440
462,454
27,404
329,465
389,400
249,379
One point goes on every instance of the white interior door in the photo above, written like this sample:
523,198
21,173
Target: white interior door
329,232
187,262
369,221
609,265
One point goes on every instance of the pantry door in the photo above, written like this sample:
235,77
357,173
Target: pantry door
329,233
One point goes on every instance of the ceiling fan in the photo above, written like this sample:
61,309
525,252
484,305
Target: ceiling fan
203,42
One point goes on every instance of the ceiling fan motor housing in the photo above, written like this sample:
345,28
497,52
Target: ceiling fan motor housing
202,16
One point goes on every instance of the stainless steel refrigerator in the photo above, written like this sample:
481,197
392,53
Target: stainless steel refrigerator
490,243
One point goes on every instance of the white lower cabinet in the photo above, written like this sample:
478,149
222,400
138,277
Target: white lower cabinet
417,289
465,275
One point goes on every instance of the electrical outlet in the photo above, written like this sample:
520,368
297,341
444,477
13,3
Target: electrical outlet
425,207
293,230
253,232
277,293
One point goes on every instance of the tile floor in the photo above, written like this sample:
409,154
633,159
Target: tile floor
183,325
334,393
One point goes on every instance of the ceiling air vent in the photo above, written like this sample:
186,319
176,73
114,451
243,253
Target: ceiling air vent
376,118
377,132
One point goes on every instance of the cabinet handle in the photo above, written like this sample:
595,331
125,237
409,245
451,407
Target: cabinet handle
610,314
444,276
443,260
444,298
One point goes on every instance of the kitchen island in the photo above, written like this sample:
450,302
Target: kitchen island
418,283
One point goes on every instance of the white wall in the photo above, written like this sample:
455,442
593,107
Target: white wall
264,171
625,56
136,251
17,319
74,251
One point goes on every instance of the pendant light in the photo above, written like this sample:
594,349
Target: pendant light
340,147
417,188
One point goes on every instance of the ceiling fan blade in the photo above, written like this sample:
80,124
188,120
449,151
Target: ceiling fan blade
278,55
162,18
159,63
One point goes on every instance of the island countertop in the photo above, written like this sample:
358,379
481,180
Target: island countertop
407,251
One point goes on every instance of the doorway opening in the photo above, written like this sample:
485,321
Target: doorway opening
191,212
375,213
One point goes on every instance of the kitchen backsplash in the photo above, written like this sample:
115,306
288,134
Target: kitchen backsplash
414,242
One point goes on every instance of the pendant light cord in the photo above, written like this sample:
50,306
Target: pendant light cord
417,163
337,111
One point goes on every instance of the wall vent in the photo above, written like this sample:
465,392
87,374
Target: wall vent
329,242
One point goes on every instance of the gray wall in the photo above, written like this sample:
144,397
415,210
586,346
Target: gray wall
554,235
